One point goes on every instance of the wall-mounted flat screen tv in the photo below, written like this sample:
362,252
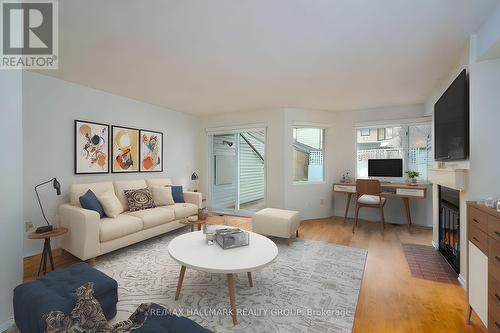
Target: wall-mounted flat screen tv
451,122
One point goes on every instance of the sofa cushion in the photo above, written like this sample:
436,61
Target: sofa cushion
55,291
177,194
110,203
120,226
158,182
139,199
77,190
122,185
154,216
89,201
162,195
183,210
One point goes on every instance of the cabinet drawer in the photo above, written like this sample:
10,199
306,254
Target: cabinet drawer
477,218
479,238
493,316
493,325
494,259
410,192
494,227
494,290
344,188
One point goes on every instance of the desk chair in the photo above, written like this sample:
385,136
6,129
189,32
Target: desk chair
368,195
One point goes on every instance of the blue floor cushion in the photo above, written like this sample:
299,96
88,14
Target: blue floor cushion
55,291
161,320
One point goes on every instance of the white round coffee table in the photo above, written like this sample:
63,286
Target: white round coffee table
190,250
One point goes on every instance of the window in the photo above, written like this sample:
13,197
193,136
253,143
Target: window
364,132
411,143
380,134
308,154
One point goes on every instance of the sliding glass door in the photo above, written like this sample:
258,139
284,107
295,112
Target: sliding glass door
237,171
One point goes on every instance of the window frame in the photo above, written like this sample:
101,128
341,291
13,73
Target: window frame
323,149
405,144
361,133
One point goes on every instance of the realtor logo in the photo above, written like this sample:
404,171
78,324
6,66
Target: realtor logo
29,38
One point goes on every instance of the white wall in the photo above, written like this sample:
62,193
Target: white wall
485,111
345,161
50,107
484,178
488,37
10,191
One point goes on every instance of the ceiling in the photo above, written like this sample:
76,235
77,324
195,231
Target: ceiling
201,56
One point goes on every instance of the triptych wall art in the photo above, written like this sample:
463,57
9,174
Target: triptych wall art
130,149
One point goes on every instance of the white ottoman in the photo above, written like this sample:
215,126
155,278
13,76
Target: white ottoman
276,222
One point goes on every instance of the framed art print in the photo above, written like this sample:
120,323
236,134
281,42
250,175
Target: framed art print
151,151
125,149
91,147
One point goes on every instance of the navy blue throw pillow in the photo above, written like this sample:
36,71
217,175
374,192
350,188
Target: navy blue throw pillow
89,201
177,194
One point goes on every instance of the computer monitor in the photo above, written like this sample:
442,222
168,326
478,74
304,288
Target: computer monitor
392,167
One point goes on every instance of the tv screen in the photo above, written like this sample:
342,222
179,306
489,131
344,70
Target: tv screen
451,122
385,167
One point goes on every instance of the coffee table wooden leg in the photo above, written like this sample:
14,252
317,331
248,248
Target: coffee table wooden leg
179,283
232,297
250,281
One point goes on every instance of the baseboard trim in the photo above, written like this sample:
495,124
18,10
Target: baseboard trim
6,325
462,281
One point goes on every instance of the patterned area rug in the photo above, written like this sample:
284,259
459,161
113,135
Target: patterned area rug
428,264
311,287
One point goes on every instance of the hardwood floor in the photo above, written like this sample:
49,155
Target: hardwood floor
391,300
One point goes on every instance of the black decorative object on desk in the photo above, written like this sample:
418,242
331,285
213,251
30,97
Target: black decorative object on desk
57,186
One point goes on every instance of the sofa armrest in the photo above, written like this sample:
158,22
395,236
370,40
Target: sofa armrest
193,198
82,240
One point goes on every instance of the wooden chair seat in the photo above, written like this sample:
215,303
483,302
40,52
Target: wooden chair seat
368,199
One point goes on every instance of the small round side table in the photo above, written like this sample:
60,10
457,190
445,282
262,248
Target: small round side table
192,221
47,250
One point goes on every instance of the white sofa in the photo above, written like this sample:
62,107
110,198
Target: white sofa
90,236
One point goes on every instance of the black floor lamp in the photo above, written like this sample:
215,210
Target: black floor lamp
57,187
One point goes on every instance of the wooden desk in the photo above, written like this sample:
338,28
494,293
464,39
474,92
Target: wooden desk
400,190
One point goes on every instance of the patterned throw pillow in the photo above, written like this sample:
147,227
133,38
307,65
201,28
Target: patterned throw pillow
139,199
87,316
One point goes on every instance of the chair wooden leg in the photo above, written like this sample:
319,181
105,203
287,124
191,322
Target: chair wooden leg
355,224
382,219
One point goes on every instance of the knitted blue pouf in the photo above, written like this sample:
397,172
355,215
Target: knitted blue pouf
55,291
